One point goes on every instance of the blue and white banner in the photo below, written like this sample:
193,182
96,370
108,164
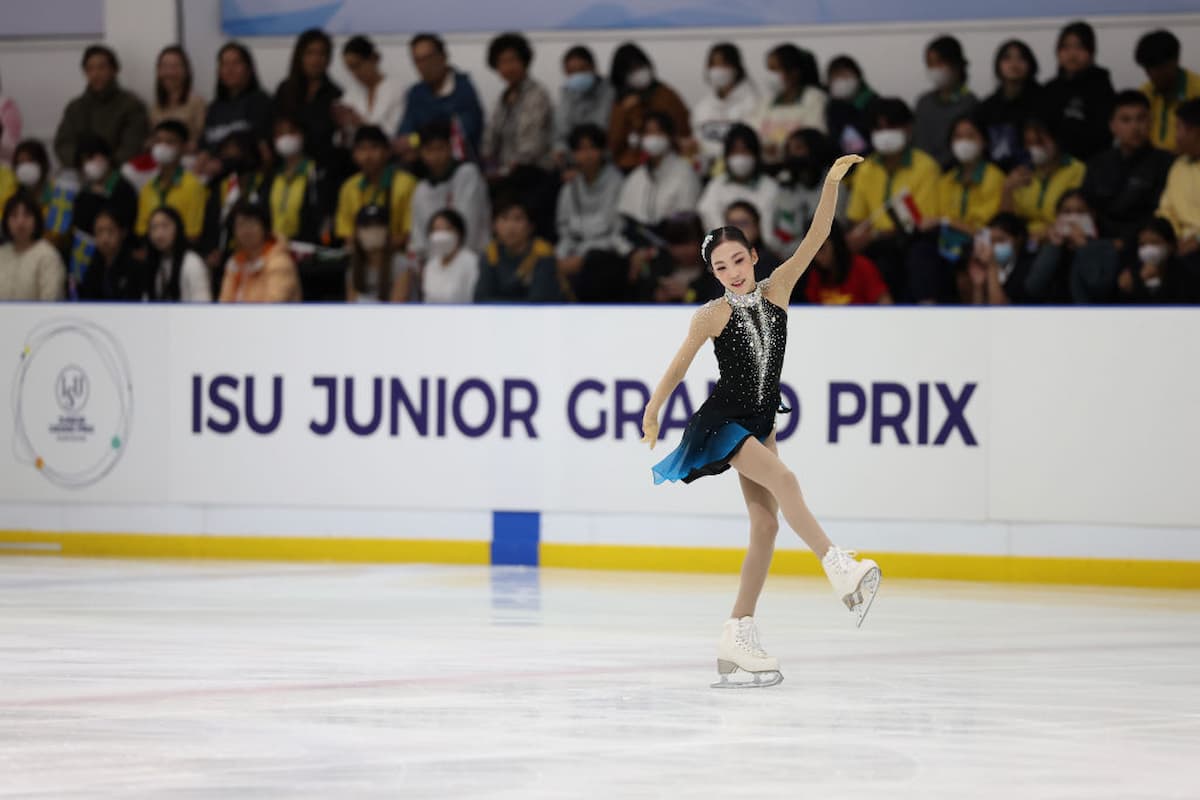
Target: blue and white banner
289,17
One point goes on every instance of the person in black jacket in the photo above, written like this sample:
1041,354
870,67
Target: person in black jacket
114,273
101,184
1080,99
239,104
307,94
1018,97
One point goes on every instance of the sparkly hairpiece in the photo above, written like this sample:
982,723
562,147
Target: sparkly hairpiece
704,251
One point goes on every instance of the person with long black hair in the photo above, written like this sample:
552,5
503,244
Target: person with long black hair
641,94
239,104
1018,98
174,272
308,95
794,99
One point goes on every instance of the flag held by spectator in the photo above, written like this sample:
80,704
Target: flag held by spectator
60,211
904,212
83,249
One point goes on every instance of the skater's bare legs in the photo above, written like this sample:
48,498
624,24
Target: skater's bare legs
764,525
756,462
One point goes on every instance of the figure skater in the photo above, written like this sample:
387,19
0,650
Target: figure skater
735,427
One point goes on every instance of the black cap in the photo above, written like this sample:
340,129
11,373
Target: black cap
371,215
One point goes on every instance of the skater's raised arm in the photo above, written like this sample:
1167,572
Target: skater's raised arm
786,275
705,324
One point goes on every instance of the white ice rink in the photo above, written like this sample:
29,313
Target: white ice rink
199,680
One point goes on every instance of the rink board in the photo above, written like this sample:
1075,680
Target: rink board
1053,444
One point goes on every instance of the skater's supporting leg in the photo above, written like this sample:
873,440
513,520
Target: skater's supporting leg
759,464
764,525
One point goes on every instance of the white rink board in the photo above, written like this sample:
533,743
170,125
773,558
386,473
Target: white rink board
1055,434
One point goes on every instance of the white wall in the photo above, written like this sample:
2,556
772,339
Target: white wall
44,75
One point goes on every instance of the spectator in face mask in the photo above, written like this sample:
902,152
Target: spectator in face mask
665,184
998,271
730,100
452,270
586,98
1074,265
743,179
173,186
947,101
640,94
849,100
448,183
31,167
1158,275
808,155
242,178
1032,191
296,195
794,99
377,274
101,185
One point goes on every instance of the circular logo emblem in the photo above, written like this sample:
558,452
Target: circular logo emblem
71,389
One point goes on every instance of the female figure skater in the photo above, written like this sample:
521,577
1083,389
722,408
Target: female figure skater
735,427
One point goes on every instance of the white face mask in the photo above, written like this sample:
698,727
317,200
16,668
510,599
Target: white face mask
740,165
372,238
94,169
289,144
655,144
442,243
889,141
843,88
640,78
1152,254
773,82
1039,155
720,77
1069,221
966,150
28,173
164,153
940,77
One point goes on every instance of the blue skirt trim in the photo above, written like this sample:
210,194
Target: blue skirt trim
697,456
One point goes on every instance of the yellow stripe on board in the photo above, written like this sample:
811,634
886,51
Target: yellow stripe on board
255,548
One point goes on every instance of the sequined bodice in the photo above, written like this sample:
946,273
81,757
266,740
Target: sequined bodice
750,353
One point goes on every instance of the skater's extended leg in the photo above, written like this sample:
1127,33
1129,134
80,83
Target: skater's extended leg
762,466
764,525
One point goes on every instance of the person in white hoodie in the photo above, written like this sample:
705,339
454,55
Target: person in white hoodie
797,99
743,179
732,99
665,182
448,184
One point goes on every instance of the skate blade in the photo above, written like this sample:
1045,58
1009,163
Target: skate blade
859,601
734,677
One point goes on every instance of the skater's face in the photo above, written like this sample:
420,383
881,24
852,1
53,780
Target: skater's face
733,265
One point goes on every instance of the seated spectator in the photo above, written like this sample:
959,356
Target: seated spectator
1124,183
743,216
998,271
521,128
1073,264
101,185
743,179
452,269
665,183
174,272
31,167
30,267
448,184
378,183
894,190
731,99
1018,97
850,97
590,247
261,269
442,93
1169,85
174,95
517,266
295,192
794,99
947,101
10,130
8,184
1080,98
173,186
240,104
671,274
114,273
585,98
377,273
372,98
1180,202
308,95
639,95
104,109
1032,191
808,155
1159,275
839,277
242,177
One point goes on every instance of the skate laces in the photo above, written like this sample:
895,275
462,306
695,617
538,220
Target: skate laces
842,560
747,638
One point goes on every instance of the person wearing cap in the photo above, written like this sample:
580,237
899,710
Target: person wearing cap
377,273
377,183
261,269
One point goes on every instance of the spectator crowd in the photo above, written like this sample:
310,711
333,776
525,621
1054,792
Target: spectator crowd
1044,192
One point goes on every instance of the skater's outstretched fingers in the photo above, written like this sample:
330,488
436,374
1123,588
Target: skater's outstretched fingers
842,166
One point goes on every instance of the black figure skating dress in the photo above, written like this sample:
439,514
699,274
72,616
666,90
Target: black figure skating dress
750,357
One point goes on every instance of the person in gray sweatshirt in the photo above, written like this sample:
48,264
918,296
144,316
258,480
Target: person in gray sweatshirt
591,249
586,97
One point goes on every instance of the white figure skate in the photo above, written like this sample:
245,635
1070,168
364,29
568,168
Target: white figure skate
741,661
854,582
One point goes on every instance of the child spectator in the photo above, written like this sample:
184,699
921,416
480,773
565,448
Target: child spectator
452,270
1018,97
794,99
998,271
838,277
114,274
175,272
1180,202
377,273
377,183
1032,192
448,183
1169,85
30,267
639,96
1079,100
517,266
665,183
731,100
743,179
850,98
295,192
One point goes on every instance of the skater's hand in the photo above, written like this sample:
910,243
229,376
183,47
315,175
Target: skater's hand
650,430
842,166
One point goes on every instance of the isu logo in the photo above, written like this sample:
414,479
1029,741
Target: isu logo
71,389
